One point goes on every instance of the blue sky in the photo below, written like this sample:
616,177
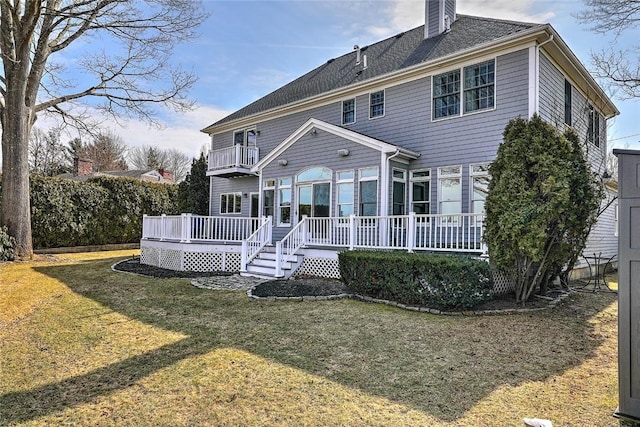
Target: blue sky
250,48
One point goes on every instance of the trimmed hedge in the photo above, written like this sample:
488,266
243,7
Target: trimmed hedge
101,210
433,280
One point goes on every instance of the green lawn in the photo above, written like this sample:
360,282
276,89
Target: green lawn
83,345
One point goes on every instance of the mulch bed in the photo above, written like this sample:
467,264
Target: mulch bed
302,286
133,265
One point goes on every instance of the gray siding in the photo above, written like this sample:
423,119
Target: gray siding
319,150
407,122
244,185
552,110
602,239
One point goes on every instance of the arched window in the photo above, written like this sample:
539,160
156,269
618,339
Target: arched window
314,174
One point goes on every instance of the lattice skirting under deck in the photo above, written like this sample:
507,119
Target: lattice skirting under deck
320,267
182,260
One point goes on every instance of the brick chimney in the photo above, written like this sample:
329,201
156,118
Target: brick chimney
439,15
166,174
82,167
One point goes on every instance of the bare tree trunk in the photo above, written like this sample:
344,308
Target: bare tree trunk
16,210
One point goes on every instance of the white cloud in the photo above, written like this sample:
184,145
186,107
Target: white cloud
517,10
178,130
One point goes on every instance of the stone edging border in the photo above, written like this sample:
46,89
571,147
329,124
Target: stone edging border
552,304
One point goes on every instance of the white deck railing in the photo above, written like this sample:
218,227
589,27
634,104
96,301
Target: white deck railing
237,156
290,244
252,246
453,233
186,228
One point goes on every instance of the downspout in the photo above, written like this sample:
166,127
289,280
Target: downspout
537,65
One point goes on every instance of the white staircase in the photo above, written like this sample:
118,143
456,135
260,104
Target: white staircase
264,264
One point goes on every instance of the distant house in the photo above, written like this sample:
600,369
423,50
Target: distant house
83,170
387,146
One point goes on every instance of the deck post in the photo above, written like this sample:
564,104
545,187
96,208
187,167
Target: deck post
305,230
411,232
145,226
243,257
185,235
352,231
163,227
269,229
279,259
238,153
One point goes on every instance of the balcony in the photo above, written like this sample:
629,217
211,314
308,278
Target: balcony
233,161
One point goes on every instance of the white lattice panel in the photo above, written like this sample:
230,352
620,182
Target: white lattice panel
150,256
171,259
321,267
203,261
502,283
232,262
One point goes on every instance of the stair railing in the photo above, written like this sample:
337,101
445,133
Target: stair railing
290,244
252,246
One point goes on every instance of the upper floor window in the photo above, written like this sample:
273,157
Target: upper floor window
246,137
477,87
376,104
479,84
446,94
567,102
593,131
348,111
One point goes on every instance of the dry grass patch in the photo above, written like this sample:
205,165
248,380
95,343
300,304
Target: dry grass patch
81,345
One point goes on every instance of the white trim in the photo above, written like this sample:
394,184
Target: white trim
534,81
505,46
343,182
379,200
341,132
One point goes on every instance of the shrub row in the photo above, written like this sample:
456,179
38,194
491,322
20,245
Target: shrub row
433,280
101,210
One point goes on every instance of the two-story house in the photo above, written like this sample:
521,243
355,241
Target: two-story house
387,146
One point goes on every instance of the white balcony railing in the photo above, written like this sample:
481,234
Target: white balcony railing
187,228
237,156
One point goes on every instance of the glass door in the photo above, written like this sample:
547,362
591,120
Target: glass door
314,200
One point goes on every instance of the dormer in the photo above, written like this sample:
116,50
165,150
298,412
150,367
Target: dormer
439,15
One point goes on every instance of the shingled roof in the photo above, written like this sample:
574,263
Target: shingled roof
387,56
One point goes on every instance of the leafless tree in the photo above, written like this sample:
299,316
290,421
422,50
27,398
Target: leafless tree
150,157
46,152
620,67
108,152
125,70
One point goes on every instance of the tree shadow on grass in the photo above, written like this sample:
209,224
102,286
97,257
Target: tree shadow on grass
440,365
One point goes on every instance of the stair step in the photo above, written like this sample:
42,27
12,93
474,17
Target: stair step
272,256
270,263
262,271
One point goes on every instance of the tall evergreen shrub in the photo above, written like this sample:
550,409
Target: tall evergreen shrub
543,199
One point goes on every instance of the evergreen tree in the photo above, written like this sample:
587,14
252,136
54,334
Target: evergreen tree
543,199
193,192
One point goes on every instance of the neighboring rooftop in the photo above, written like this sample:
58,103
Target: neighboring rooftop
387,56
